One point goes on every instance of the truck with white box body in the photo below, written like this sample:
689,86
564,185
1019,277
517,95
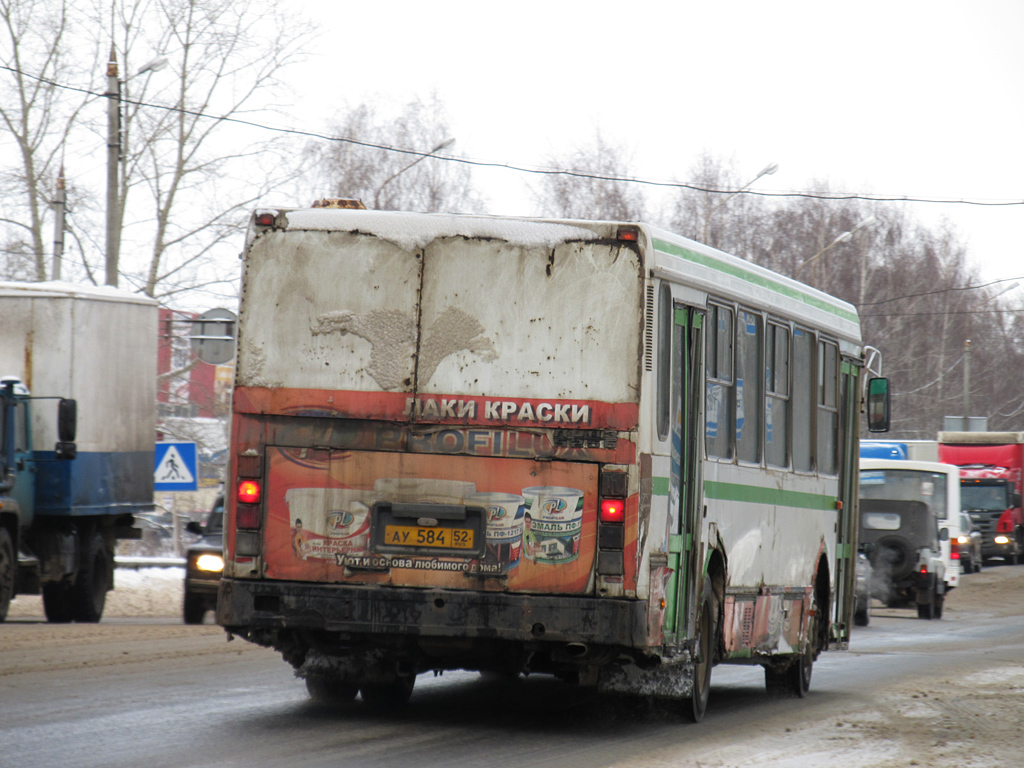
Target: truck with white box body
78,425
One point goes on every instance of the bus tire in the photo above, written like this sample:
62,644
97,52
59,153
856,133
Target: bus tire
799,673
330,692
389,695
696,704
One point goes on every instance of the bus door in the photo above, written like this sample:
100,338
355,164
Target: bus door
685,498
846,540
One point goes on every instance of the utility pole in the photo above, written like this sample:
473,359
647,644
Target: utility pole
967,385
113,94
59,202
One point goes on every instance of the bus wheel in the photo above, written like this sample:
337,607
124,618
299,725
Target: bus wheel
707,626
389,695
324,690
794,678
800,671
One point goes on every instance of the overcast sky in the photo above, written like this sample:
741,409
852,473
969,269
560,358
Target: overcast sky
917,98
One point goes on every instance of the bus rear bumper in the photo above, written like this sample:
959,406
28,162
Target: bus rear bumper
244,606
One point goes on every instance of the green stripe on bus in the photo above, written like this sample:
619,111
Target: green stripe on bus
753,495
659,486
759,280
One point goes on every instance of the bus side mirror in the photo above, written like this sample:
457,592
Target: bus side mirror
67,420
878,405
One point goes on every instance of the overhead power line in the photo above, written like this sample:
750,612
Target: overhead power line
534,170
934,293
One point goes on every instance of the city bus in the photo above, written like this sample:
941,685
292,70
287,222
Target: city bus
590,449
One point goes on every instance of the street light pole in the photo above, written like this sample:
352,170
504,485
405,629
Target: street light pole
113,95
768,170
59,204
842,238
114,149
443,145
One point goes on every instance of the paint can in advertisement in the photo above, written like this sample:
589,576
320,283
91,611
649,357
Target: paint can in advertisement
553,524
326,522
505,515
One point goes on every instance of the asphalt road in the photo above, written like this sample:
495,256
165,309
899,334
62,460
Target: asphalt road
153,693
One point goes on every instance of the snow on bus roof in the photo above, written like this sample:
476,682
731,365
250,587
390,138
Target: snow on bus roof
415,230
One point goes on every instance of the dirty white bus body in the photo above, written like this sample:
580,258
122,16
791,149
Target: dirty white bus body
590,449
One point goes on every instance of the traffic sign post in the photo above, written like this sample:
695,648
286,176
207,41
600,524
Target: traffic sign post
213,336
176,467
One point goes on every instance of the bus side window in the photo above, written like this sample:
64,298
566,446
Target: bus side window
719,396
828,406
749,395
664,359
803,399
776,408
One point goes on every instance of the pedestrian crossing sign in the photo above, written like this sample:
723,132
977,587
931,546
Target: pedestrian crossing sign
175,467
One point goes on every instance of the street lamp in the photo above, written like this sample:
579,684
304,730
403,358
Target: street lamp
768,170
113,95
443,145
842,238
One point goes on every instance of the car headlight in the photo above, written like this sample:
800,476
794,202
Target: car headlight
210,563
962,539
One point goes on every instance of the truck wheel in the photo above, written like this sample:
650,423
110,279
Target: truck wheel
195,609
57,602
940,600
89,593
707,641
388,695
7,570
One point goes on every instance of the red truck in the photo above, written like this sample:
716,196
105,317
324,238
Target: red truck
991,468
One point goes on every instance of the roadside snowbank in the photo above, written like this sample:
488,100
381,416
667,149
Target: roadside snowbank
154,593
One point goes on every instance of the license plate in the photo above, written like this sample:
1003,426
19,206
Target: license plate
419,536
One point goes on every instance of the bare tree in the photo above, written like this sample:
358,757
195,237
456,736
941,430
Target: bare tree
591,186
720,213
361,164
38,119
187,177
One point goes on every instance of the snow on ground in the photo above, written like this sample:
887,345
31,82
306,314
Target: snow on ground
154,593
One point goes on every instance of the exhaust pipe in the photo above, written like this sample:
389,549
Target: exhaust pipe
577,650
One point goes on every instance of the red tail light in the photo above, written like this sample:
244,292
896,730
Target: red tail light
249,492
924,569
613,511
